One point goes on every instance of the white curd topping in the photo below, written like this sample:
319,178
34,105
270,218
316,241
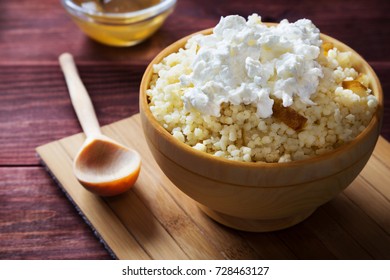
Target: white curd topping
246,62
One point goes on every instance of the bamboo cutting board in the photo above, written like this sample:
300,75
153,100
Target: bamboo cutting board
155,220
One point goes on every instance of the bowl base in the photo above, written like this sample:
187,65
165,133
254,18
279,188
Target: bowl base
255,225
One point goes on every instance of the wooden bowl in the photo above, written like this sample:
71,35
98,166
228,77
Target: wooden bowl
259,196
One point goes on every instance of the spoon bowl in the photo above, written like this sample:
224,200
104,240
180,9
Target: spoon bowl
102,165
106,167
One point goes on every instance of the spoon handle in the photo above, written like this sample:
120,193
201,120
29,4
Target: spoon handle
79,96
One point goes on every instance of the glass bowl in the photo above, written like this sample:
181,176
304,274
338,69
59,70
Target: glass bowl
118,28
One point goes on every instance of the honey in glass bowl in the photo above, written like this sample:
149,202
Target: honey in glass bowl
119,22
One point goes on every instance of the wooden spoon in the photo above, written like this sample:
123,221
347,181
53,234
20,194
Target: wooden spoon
102,166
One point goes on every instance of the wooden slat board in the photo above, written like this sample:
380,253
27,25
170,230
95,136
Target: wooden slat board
155,220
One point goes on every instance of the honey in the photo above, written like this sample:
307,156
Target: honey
119,22
117,6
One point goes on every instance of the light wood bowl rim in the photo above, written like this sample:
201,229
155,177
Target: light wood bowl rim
375,121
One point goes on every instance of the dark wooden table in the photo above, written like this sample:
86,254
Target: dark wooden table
36,219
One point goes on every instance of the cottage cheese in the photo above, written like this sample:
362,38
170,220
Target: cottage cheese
217,93
243,62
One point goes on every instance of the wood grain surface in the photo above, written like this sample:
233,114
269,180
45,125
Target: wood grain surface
36,220
155,220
